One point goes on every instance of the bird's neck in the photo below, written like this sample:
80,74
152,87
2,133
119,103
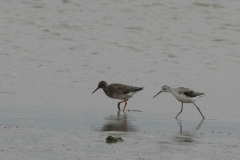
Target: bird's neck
106,91
171,90
105,88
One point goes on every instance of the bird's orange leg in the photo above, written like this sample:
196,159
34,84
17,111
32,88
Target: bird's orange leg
125,104
119,104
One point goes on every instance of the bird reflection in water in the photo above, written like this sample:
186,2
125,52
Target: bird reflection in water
187,136
120,123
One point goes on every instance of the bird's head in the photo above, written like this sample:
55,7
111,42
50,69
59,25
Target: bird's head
101,84
165,88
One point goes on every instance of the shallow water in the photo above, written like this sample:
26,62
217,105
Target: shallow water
54,53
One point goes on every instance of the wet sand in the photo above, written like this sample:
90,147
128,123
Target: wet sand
40,143
144,138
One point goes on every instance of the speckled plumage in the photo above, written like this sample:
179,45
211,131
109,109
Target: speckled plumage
189,92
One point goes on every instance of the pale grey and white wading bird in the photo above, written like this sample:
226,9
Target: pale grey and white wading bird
118,91
184,95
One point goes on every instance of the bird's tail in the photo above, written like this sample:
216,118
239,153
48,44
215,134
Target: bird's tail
201,95
138,89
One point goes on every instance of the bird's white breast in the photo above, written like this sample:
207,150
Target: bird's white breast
183,98
123,96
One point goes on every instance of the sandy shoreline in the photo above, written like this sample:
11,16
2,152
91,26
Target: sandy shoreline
40,143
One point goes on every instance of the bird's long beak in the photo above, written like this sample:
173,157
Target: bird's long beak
95,90
157,94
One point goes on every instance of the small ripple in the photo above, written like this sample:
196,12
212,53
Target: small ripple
219,40
66,1
217,6
64,70
56,34
226,24
16,47
73,48
213,68
46,30
207,5
120,45
157,4
201,4
234,55
101,71
208,63
38,6
234,61
165,53
130,47
176,62
172,56
175,18
173,8
135,28
67,39
185,49
146,5
94,53
46,61
8,92
158,39
151,71
29,23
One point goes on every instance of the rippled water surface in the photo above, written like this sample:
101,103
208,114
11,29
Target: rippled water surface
54,53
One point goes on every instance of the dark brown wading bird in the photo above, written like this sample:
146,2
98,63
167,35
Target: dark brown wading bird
118,91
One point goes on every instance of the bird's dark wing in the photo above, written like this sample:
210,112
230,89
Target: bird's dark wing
124,89
189,92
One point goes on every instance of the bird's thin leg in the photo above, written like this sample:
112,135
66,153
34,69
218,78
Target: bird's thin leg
119,104
180,111
199,110
125,104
